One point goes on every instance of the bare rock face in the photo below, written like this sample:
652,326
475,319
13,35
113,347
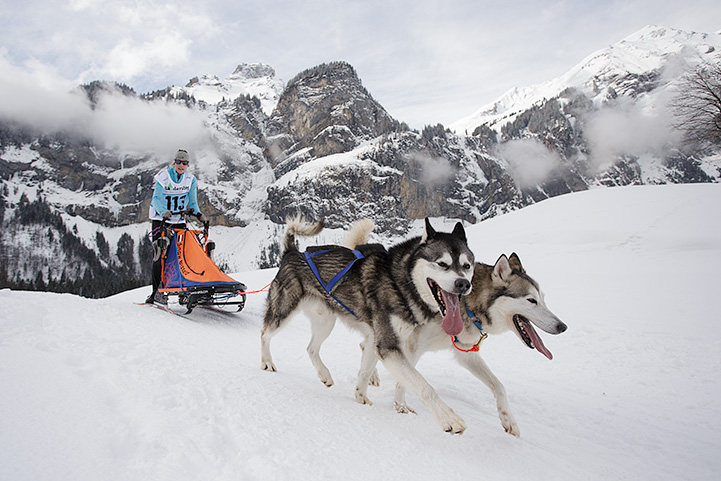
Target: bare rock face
327,109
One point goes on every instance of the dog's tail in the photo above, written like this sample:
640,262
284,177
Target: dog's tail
358,233
297,226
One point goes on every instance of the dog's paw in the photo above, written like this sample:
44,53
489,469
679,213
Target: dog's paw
268,366
509,424
453,424
375,379
361,398
403,408
326,380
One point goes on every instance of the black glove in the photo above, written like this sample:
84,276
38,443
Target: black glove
167,215
199,215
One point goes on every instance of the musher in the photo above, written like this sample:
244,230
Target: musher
175,191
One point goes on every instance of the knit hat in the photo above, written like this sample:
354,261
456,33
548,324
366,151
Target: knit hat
182,155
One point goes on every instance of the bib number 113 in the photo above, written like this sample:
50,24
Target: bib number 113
175,203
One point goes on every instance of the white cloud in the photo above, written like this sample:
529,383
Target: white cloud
133,124
35,95
433,170
530,161
152,40
129,60
630,128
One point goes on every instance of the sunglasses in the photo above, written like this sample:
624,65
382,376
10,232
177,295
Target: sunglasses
184,162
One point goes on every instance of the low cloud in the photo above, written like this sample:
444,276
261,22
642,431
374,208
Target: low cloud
433,170
630,128
37,97
129,123
529,160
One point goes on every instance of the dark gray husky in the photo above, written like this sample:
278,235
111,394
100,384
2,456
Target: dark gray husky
395,298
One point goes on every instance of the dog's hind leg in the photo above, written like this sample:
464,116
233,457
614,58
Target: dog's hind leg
278,312
478,367
266,334
375,379
322,322
367,372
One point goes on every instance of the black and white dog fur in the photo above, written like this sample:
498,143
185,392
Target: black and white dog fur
503,298
400,300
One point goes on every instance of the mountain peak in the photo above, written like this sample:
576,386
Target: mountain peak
655,32
334,71
254,79
253,71
644,52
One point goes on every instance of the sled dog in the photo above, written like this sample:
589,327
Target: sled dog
396,298
503,298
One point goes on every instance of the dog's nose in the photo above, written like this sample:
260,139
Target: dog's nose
462,285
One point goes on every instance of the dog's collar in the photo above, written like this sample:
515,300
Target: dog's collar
478,325
472,315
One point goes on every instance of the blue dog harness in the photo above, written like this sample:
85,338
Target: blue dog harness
331,284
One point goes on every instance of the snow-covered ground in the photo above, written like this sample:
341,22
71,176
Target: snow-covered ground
110,390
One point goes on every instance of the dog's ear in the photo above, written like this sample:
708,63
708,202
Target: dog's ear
515,263
459,231
502,270
430,231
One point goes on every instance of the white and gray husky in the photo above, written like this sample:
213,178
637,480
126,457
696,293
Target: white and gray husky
406,301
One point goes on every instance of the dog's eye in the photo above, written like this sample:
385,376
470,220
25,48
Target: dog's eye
443,265
533,301
466,266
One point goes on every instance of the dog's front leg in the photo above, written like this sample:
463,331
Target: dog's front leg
478,367
399,399
404,372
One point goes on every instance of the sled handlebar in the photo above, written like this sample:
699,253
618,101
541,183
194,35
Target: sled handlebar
185,213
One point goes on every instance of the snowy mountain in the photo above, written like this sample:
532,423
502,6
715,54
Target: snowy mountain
646,63
106,389
75,193
255,80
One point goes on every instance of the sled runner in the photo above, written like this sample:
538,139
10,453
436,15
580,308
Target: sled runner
188,270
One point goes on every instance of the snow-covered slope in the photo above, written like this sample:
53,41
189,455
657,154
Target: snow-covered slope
106,389
607,72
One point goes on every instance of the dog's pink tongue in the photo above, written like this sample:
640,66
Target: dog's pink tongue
452,322
537,342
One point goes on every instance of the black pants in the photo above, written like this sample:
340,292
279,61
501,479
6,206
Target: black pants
157,265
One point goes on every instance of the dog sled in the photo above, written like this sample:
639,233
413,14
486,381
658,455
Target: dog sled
189,272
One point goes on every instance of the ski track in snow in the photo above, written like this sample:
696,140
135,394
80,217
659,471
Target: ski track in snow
108,389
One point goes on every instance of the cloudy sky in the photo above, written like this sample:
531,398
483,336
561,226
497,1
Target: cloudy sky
425,61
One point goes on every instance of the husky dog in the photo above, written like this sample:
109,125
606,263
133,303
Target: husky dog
395,298
503,298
